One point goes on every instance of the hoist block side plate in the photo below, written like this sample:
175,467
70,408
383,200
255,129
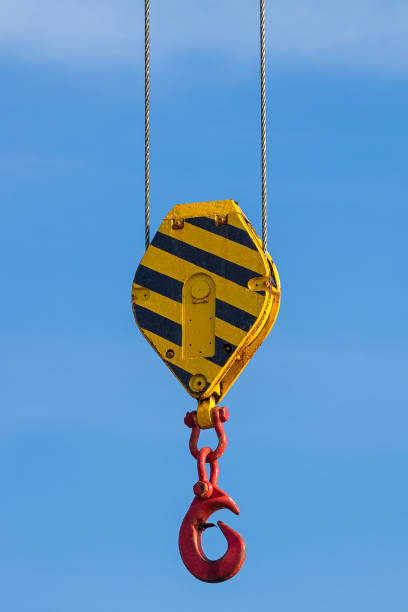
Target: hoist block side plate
205,295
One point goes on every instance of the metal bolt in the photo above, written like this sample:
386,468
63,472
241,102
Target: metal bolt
221,219
223,414
177,224
200,290
227,349
190,419
170,354
197,382
202,489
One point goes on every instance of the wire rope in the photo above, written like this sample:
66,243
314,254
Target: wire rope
263,128
263,124
147,123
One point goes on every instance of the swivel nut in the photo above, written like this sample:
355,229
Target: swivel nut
202,489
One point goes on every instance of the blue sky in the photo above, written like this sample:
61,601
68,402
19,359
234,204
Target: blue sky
96,472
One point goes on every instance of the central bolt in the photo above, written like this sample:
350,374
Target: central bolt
200,290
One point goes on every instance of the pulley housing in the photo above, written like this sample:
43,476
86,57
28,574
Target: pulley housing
205,295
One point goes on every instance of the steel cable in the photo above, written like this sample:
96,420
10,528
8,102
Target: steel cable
263,124
263,127
147,123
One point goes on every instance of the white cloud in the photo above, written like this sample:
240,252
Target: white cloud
362,33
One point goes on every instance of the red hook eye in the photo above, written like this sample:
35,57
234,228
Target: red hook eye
192,527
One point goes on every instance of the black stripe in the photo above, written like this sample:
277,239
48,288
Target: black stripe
181,374
208,261
235,316
159,283
184,377
171,331
226,231
223,351
155,323
173,289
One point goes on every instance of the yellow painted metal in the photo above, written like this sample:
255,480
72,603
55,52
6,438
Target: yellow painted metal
205,296
198,324
204,412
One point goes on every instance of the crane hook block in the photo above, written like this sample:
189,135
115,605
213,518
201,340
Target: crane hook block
205,295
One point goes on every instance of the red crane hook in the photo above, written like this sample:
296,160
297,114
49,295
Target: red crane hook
209,498
192,527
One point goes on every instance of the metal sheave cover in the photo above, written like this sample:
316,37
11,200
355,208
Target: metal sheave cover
205,295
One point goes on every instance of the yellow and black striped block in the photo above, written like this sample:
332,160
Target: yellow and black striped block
205,295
